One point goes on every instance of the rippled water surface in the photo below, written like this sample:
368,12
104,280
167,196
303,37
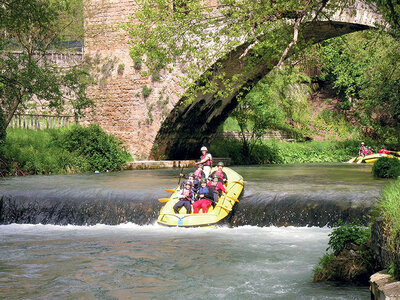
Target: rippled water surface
151,262
129,261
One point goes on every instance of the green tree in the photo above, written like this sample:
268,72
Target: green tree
29,29
167,33
365,70
279,102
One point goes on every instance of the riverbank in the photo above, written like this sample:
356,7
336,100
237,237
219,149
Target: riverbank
76,149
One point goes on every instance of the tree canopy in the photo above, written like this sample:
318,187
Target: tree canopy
29,29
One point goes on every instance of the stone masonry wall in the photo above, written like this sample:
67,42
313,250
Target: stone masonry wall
121,108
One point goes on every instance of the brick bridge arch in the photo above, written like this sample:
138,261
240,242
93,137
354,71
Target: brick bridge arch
159,125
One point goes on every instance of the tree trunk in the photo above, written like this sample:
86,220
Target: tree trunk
9,114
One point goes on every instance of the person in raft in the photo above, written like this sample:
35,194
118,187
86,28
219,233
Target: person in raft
216,187
194,182
199,174
363,150
204,195
205,160
186,196
222,177
383,150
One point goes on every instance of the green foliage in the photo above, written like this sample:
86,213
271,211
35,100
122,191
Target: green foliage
352,258
34,152
101,150
168,34
324,267
389,209
120,69
60,151
386,167
137,63
365,70
146,91
33,27
347,235
277,152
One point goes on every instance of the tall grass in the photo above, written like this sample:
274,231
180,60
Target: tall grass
389,207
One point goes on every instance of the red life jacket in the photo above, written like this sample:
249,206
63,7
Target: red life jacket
220,174
208,162
384,151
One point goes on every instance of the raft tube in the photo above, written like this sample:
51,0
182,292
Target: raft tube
369,159
224,206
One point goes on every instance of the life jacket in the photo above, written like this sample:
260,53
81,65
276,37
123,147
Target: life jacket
208,162
384,151
205,191
198,173
220,175
214,187
187,194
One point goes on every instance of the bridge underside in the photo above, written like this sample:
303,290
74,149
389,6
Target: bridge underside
188,127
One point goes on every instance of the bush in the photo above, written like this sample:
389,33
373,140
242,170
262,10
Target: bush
62,151
35,153
346,236
278,152
101,150
386,167
352,257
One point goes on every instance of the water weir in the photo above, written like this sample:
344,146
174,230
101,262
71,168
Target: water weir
279,196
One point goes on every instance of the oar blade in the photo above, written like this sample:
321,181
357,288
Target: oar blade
170,190
163,200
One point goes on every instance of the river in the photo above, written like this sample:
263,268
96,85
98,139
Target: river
128,256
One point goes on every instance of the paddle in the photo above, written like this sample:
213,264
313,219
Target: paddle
232,198
170,190
163,200
180,177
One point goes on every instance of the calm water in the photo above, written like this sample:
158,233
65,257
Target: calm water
129,261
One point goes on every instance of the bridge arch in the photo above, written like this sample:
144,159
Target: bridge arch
173,129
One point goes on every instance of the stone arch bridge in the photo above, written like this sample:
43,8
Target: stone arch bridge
159,125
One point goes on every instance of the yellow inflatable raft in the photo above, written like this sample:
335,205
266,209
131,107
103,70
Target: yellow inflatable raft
223,207
369,159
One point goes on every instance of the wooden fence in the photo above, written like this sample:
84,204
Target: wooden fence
40,122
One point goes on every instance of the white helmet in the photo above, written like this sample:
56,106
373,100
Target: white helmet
362,143
203,148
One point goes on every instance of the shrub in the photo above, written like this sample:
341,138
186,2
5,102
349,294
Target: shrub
346,236
146,91
101,150
35,153
386,167
121,68
137,63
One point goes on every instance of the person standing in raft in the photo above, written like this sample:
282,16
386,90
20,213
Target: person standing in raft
205,160
199,174
204,201
222,177
363,150
216,187
186,197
